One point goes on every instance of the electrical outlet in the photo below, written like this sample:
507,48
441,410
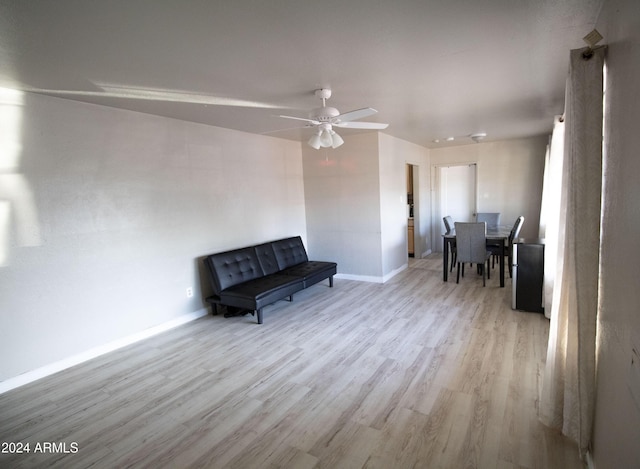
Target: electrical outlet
190,292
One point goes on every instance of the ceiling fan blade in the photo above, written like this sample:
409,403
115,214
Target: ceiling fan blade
313,121
357,114
362,125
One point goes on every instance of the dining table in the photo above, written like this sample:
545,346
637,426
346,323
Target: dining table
495,236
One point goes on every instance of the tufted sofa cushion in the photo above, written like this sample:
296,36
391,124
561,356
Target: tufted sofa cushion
267,258
289,252
233,267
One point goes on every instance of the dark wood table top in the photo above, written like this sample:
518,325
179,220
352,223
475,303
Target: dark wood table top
502,232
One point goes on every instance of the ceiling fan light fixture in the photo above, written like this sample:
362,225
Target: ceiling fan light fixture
314,141
337,139
325,139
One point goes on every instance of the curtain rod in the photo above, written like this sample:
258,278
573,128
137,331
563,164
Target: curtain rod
588,53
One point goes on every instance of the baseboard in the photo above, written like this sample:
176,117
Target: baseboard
373,279
360,278
395,272
60,365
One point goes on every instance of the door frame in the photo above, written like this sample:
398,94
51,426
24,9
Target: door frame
436,215
416,209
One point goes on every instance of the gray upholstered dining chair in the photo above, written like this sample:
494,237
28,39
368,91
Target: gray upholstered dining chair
448,225
471,246
508,248
492,219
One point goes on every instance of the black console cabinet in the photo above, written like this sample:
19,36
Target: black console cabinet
528,275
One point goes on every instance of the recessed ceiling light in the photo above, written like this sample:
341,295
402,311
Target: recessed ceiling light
478,136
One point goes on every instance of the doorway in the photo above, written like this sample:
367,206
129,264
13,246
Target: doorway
455,190
412,210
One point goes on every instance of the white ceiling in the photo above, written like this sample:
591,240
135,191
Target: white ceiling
432,68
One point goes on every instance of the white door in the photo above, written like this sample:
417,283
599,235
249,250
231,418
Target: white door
456,190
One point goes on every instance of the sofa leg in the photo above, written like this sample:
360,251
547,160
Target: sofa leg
331,282
259,313
214,305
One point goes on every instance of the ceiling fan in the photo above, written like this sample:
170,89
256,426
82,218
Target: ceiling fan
325,118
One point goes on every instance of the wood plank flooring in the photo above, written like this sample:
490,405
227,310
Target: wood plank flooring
413,373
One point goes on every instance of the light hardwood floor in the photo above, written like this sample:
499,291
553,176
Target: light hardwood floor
411,373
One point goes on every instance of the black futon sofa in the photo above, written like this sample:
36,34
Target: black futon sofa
250,278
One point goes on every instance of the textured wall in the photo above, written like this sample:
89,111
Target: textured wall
617,420
394,156
104,214
342,193
356,203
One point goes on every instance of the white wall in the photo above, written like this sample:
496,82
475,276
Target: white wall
509,177
617,420
356,204
342,188
104,214
394,155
